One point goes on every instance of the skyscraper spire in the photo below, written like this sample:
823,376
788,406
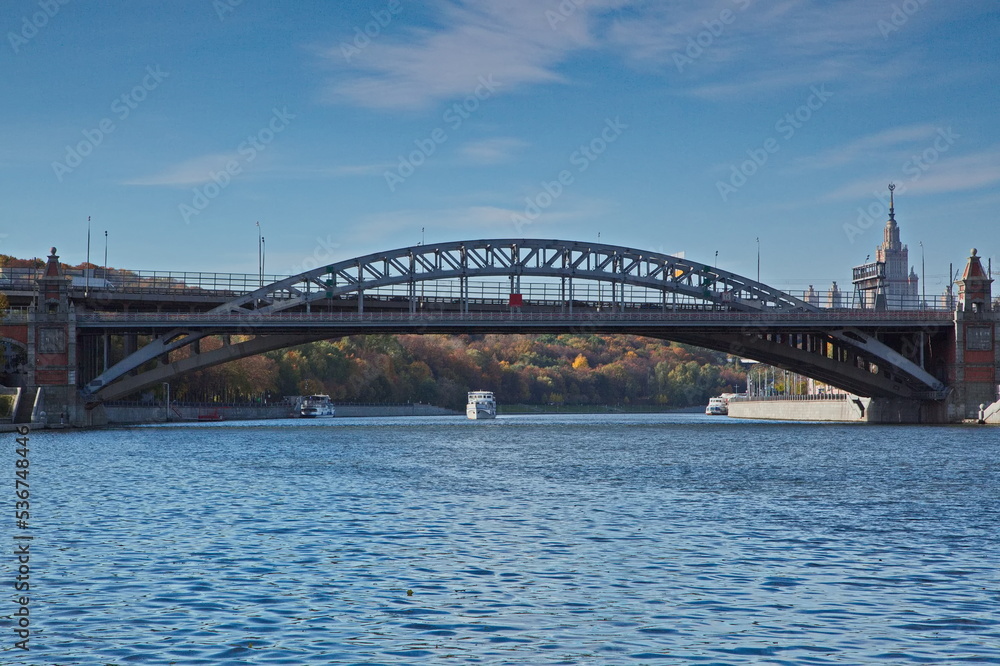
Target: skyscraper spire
890,234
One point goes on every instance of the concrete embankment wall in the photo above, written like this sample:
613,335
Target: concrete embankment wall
853,409
395,410
121,414
798,410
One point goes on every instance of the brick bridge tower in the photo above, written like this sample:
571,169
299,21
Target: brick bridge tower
52,346
977,356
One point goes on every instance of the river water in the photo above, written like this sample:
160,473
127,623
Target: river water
653,539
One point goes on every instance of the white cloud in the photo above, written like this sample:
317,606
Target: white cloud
736,46
896,142
512,41
191,172
959,174
948,173
720,49
492,151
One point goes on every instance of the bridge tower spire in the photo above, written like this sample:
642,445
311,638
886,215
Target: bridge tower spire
974,290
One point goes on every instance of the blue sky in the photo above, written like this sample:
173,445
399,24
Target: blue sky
347,127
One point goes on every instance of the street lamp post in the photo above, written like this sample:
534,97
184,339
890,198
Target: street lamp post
758,259
260,255
923,278
86,282
105,258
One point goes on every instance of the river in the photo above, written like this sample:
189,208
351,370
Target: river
597,539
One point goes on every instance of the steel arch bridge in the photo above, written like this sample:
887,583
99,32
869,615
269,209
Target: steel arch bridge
640,292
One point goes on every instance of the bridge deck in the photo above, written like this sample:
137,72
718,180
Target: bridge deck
284,321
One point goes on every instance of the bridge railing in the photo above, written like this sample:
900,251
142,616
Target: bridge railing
232,285
16,315
776,397
229,285
424,317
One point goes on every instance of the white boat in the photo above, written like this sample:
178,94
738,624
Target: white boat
717,407
314,406
482,405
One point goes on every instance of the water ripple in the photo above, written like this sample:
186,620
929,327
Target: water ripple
563,540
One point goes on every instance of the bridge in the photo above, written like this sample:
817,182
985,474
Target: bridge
480,286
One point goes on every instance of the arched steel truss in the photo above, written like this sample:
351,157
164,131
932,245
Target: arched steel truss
863,364
514,259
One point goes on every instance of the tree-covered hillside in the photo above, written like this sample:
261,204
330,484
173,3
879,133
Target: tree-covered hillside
547,369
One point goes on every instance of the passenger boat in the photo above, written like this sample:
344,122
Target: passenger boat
717,407
482,405
314,406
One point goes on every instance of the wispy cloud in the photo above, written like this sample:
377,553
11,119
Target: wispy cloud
491,151
959,174
337,171
950,173
723,48
514,41
891,142
525,42
195,171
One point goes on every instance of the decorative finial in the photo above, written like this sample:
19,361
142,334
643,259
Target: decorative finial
892,203
52,251
974,252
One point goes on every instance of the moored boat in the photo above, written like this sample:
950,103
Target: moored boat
315,406
717,407
481,405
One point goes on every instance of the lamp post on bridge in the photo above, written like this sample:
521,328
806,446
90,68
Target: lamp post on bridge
923,278
86,281
260,255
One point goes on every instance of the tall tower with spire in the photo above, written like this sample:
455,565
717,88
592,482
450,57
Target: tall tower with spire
901,282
